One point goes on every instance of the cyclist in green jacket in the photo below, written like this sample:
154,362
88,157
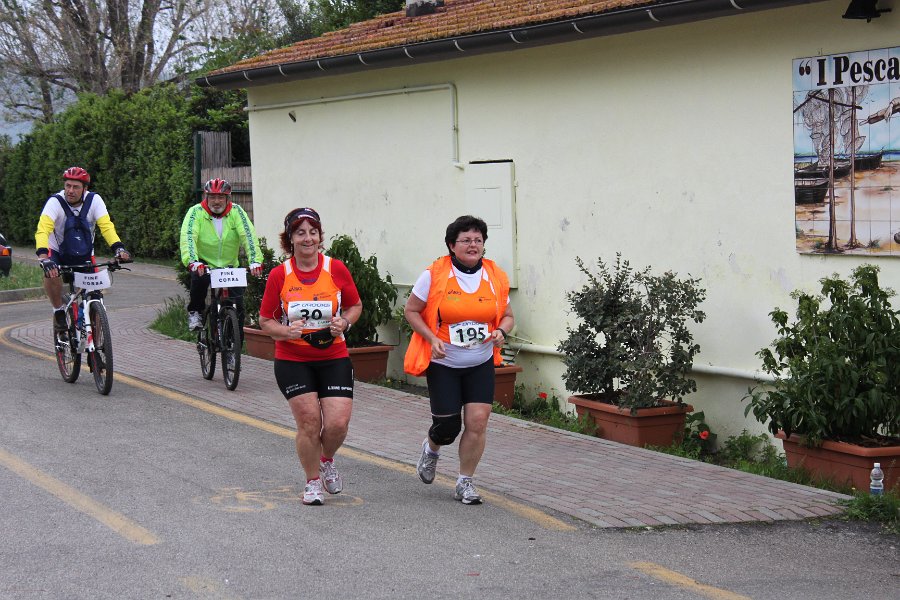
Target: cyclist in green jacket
212,233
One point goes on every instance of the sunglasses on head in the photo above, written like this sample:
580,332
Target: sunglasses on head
300,213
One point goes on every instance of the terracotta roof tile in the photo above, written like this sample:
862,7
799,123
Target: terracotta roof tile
455,18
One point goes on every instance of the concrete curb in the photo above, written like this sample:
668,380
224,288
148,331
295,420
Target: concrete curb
19,295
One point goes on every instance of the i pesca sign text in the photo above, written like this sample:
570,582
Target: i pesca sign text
865,67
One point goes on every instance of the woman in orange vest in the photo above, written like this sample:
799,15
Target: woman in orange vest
460,315
309,303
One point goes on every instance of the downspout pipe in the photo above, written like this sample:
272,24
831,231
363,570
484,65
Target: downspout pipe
674,12
700,369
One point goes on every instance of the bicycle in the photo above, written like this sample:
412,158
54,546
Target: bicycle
221,330
87,324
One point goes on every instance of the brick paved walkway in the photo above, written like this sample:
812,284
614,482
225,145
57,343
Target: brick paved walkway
603,483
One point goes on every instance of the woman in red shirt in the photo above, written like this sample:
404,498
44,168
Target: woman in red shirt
309,303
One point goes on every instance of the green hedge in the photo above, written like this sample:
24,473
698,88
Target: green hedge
138,151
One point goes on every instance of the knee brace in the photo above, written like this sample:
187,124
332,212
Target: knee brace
445,429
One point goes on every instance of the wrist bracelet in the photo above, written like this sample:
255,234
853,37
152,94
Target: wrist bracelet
503,331
349,325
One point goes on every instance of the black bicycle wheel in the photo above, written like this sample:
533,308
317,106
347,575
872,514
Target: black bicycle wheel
101,359
68,359
231,348
206,347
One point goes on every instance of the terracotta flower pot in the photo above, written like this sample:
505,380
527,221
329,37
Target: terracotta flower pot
843,463
651,426
505,384
259,344
370,362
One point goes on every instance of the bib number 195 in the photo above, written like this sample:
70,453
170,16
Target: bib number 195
468,334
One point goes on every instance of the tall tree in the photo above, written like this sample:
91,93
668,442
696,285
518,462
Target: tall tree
51,50
329,15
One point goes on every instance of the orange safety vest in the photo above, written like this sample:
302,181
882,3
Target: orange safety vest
323,289
418,354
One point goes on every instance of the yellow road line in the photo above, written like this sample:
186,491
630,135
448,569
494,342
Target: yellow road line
4,339
119,523
677,579
532,514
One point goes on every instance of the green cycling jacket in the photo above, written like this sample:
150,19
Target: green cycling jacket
200,241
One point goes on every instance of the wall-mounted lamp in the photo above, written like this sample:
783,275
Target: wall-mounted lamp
293,116
864,9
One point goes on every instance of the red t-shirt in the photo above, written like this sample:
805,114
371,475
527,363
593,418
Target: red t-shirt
270,308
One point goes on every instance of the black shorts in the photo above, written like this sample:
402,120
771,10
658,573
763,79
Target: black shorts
449,388
329,378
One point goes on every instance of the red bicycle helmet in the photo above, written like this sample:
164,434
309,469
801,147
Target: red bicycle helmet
217,186
77,174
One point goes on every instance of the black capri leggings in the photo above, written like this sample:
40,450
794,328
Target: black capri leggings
450,388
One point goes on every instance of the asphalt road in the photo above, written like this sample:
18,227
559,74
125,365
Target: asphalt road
137,495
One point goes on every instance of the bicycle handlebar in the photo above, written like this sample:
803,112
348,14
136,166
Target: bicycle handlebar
112,265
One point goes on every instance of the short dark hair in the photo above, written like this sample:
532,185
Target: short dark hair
464,223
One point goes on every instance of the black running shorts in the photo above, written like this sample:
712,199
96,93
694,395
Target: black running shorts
328,378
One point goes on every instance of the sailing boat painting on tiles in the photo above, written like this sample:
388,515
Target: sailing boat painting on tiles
846,110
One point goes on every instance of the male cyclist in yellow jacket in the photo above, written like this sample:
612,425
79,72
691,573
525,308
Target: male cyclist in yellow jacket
212,234
60,240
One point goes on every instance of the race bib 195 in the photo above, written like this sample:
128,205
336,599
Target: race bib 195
468,334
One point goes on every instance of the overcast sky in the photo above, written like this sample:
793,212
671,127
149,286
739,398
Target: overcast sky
14,130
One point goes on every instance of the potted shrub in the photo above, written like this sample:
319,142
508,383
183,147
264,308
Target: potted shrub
628,357
378,295
835,401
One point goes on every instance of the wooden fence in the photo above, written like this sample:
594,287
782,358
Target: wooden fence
215,161
215,149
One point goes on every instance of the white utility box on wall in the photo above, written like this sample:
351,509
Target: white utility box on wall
491,196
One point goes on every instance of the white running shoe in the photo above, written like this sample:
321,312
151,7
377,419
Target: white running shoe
427,465
195,321
312,493
331,479
466,492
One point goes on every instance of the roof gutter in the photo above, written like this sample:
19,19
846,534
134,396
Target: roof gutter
621,21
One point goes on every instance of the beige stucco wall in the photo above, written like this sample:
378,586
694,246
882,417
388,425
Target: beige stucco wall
673,146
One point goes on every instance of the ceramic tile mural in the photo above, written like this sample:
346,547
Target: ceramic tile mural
847,152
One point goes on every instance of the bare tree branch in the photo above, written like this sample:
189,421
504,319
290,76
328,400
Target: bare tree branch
51,48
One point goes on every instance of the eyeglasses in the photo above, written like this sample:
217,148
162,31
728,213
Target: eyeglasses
471,242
